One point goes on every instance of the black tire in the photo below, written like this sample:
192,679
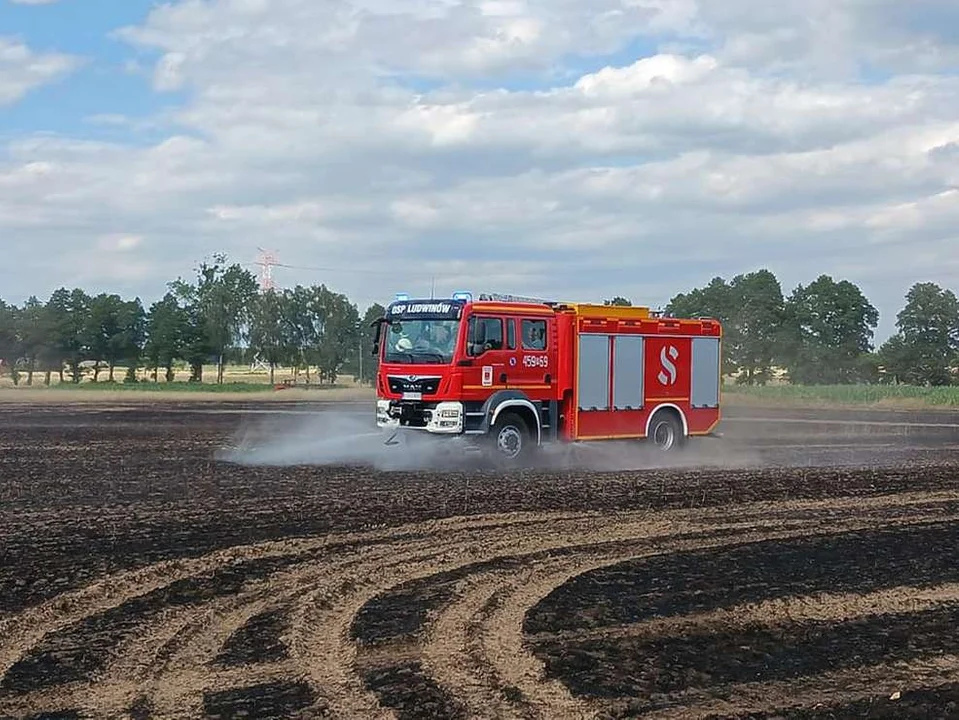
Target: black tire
510,440
666,432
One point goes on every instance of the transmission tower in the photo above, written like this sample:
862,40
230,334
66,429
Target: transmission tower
266,260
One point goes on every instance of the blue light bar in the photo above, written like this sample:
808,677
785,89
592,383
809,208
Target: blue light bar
401,297
463,295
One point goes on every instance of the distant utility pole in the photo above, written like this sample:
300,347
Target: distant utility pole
266,260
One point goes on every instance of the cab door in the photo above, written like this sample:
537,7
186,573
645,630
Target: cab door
530,363
487,355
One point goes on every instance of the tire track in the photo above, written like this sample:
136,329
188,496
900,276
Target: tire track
195,636
30,627
483,703
476,636
822,607
473,646
827,688
26,629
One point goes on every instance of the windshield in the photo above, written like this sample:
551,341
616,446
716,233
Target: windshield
420,341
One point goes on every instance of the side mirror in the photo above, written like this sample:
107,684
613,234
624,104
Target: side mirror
475,338
378,324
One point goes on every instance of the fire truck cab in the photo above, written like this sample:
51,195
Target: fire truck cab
517,373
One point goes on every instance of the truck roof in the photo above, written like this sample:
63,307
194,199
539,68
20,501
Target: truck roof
526,306
600,318
588,310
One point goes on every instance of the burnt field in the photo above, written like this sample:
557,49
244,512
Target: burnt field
228,561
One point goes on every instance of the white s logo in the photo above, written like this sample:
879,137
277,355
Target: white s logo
667,365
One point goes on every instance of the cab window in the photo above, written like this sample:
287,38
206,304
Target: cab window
534,334
485,333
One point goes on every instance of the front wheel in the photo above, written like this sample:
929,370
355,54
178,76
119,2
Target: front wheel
510,440
666,432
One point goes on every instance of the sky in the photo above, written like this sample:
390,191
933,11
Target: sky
567,149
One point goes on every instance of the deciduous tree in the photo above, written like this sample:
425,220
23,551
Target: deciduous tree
829,326
926,346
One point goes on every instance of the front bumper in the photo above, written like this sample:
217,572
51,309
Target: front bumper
444,418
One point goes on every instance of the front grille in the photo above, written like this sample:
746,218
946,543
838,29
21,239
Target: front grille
410,414
414,383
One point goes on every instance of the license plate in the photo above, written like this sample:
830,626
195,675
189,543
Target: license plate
412,396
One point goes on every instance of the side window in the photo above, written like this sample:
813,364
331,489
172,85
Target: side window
510,333
534,334
485,333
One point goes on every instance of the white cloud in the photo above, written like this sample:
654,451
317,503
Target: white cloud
384,140
22,69
119,243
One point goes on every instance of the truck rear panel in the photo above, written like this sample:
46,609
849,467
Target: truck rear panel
628,364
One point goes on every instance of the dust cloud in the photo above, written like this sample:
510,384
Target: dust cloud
351,438
336,438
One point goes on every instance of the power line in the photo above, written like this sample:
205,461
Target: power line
311,268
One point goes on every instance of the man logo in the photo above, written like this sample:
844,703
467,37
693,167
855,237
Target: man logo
667,364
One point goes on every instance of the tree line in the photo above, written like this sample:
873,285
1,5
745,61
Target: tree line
821,333
219,317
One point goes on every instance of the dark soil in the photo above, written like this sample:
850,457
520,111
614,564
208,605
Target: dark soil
259,640
86,493
412,693
270,700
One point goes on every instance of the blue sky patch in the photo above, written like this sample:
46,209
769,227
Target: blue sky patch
78,27
103,85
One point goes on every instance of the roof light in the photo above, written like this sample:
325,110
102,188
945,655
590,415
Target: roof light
401,297
463,295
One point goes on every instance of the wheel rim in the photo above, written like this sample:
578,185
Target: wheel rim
664,436
509,441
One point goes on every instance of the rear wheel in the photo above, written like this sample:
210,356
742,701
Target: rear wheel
510,440
666,432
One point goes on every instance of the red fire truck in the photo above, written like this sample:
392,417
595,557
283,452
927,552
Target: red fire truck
517,373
